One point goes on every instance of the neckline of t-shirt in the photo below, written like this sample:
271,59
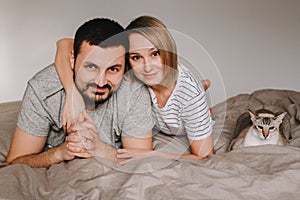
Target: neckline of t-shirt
169,101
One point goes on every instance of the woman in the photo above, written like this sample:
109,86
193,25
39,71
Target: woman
179,102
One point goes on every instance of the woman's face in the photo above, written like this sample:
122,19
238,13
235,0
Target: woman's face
145,60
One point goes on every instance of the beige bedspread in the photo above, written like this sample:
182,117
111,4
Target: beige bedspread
264,172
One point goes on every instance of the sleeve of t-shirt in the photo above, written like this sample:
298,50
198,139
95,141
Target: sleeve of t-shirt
138,120
196,118
33,118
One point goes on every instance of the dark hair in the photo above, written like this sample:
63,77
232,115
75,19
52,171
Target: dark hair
101,32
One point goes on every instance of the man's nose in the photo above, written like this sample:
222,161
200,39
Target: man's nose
101,79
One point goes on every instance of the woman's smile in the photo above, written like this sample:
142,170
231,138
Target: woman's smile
150,75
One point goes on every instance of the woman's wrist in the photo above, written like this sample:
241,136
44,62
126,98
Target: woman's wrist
105,151
70,90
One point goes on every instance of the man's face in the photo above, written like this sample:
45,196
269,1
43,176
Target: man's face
98,72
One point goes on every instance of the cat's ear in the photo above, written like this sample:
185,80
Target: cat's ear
253,115
280,117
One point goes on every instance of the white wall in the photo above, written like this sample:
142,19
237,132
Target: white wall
254,43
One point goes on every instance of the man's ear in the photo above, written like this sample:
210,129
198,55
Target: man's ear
72,59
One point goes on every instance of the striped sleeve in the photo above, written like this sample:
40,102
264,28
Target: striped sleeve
196,118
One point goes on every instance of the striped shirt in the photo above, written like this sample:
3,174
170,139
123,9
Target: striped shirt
186,111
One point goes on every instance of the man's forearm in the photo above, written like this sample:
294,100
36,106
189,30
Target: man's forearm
40,160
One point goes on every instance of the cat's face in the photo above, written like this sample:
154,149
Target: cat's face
266,123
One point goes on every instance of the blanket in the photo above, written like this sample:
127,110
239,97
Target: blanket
261,172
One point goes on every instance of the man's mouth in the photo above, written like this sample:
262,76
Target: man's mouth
97,89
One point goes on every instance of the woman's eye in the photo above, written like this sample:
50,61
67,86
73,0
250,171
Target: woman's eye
155,53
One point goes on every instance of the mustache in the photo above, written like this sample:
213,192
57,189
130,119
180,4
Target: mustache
96,86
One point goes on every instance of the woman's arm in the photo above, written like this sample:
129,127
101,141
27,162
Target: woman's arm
74,103
64,48
200,150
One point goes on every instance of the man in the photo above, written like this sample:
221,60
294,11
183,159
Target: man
119,111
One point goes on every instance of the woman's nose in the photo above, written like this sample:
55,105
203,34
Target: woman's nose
147,65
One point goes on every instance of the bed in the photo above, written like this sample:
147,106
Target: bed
262,172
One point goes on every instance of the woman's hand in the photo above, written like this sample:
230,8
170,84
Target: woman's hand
126,155
74,104
205,84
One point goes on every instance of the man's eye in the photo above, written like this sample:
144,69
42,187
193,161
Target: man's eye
114,69
135,57
91,66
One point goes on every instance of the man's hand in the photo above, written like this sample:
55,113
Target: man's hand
63,153
83,139
79,145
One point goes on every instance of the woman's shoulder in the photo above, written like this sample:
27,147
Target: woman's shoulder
188,82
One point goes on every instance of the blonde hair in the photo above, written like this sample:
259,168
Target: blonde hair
157,33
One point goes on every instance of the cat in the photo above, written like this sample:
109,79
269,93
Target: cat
261,127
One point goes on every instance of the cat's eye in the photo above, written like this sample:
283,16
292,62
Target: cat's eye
271,128
260,127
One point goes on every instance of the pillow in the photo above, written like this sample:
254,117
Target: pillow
8,117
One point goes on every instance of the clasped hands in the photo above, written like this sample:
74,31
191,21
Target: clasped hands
83,137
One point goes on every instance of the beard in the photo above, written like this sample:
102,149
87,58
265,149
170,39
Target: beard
95,98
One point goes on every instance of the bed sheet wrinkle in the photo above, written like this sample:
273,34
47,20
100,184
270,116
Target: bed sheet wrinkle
22,181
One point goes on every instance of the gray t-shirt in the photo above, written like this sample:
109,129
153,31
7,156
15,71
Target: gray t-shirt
127,113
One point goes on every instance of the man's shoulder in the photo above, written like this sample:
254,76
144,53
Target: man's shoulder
131,86
46,82
45,75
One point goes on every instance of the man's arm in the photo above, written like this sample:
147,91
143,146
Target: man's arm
138,142
31,132
24,144
26,149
